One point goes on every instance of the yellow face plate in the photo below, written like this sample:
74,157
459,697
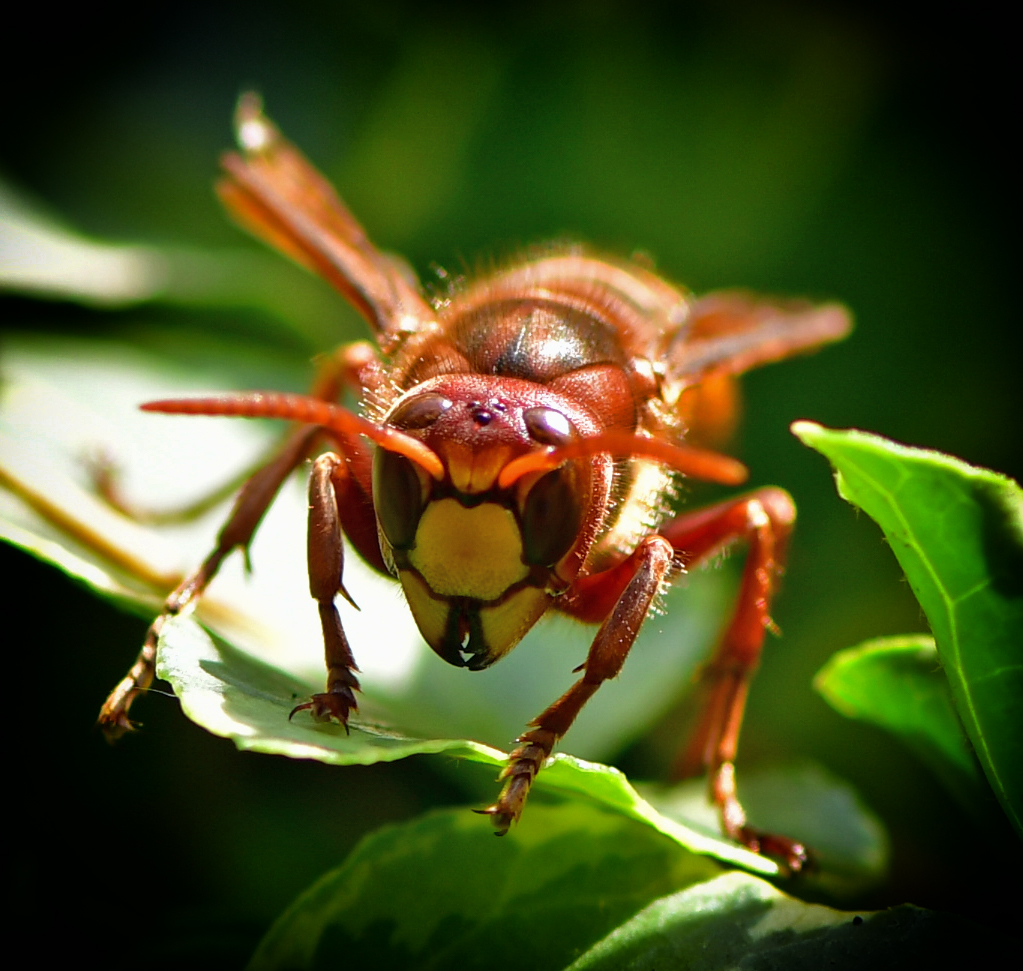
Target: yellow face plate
464,552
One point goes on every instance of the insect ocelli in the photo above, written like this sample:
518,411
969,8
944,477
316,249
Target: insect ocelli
514,454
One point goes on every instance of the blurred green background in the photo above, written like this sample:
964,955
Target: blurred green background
838,151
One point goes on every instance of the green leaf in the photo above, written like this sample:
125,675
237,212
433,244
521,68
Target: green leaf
442,892
239,697
897,684
957,532
737,920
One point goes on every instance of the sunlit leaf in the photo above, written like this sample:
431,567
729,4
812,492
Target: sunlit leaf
957,531
235,695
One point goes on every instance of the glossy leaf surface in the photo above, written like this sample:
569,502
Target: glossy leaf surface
237,696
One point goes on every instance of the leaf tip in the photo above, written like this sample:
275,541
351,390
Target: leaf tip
806,431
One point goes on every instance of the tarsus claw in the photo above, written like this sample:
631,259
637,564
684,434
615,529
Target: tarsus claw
328,707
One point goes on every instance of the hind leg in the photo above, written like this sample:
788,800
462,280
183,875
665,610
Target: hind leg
763,520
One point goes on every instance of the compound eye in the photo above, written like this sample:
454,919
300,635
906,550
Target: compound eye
419,411
551,518
548,427
399,496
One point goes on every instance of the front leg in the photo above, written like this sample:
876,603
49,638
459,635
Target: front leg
329,485
351,366
252,503
649,565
